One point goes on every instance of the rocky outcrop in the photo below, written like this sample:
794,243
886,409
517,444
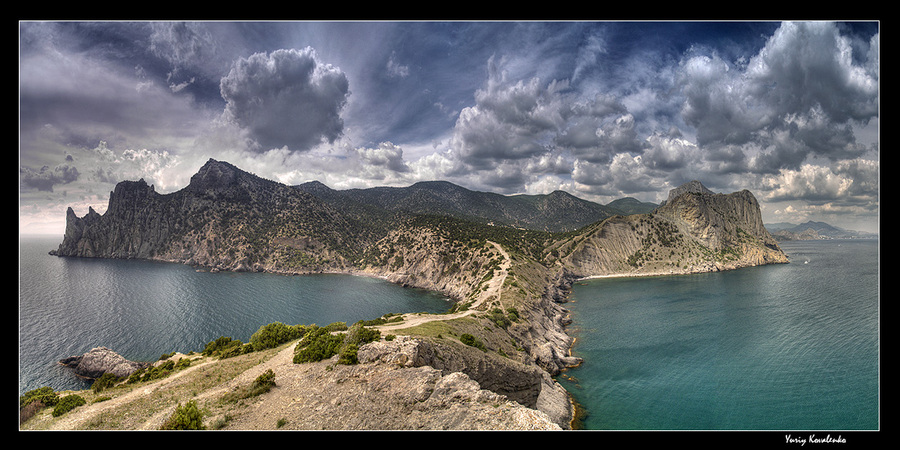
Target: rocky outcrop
524,384
694,231
100,360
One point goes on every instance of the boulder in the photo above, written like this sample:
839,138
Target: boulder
100,360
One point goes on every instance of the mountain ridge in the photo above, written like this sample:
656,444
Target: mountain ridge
555,212
812,230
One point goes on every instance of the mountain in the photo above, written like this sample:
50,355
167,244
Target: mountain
630,205
812,230
229,219
554,212
694,230
226,219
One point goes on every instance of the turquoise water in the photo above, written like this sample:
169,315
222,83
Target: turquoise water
780,347
143,309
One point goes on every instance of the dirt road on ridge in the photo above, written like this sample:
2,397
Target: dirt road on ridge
494,287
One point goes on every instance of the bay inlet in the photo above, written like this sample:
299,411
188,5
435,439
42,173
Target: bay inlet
785,346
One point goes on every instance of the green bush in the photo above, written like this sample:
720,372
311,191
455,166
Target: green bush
275,334
319,343
107,380
336,326
472,341
67,404
348,355
260,385
316,345
263,383
182,363
44,395
226,347
387,318
187,417
359,335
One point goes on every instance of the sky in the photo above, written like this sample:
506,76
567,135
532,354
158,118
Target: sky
602,110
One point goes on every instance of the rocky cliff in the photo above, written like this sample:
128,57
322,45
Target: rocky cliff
695,230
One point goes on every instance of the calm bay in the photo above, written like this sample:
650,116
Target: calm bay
780,347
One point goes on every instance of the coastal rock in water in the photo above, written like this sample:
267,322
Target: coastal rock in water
100,360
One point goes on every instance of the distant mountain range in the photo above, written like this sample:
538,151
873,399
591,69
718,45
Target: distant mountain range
555,212
812,230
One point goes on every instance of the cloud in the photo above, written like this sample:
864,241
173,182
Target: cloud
798,96
286,98
386,155
848,182
396,70
45,178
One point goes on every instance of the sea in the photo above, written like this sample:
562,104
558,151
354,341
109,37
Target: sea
144,309
779,347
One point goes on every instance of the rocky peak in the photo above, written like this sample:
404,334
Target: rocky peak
214,175
692,187
127,194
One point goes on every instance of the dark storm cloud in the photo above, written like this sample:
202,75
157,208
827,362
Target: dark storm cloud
286,98
797,97
45,178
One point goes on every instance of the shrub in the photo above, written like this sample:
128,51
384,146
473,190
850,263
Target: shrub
187,417
263,383
336,326
225,347
359,335
44,395
316,345
107,380
472,341
319,343
182,363
348,355
67,404
275,334
387,318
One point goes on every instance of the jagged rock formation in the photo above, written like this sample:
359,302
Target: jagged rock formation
695,230
100,360
515,279
525,384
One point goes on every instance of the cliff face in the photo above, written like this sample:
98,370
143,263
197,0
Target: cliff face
225,219
695,230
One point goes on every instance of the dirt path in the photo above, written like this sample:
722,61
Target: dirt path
495,286
76,419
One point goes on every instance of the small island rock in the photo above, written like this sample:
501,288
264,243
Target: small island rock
100,360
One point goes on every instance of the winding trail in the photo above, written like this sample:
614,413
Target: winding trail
495,285
77,419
